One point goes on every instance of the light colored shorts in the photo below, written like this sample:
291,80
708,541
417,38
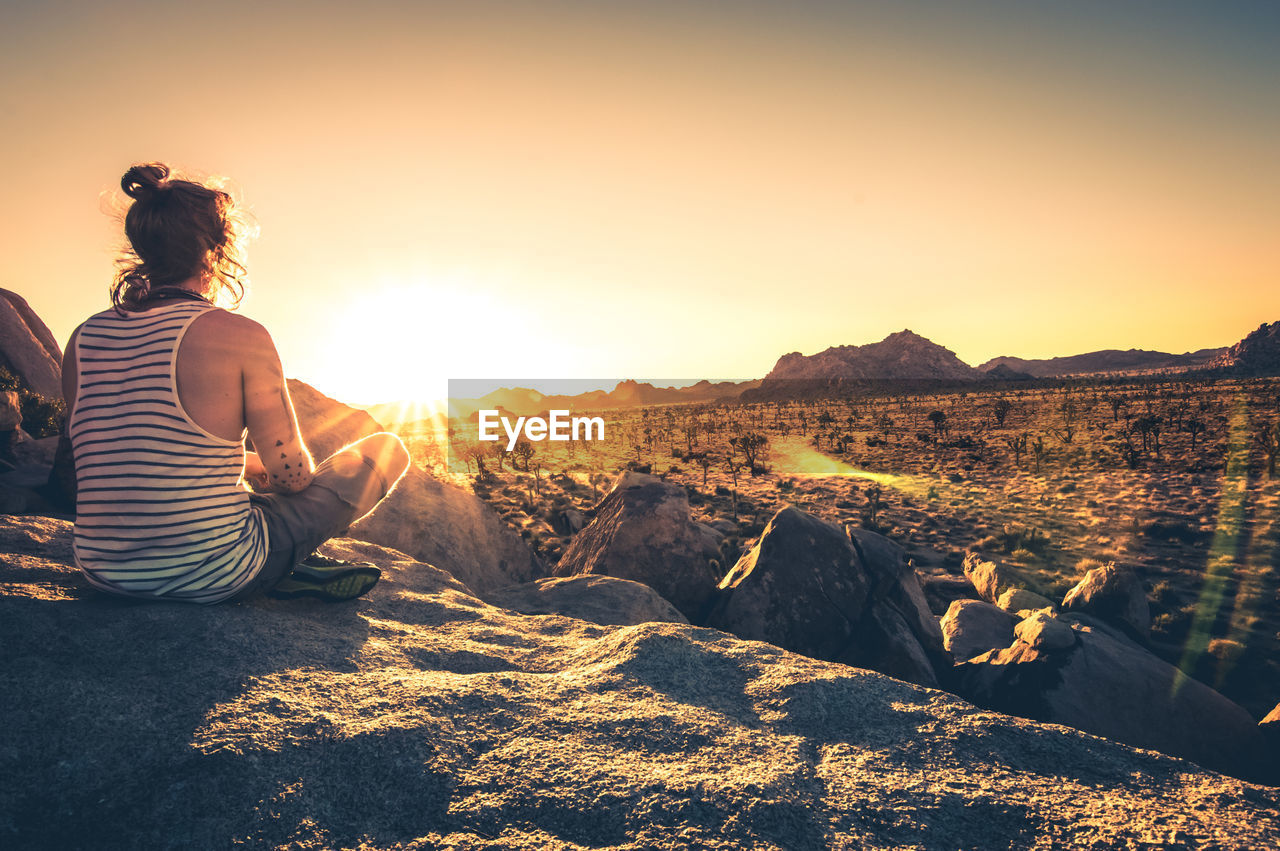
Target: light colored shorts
299,522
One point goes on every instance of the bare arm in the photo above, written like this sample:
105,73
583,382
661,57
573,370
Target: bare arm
69,375
269,414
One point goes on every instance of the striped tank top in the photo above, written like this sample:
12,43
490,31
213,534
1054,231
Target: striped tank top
160,511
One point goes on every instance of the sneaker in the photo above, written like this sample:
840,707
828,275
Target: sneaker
320,566
332,583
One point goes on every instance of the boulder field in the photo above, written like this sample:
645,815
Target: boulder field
421,716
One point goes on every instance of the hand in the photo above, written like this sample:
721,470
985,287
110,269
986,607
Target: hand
255,475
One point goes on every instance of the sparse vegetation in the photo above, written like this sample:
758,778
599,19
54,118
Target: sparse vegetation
1056,480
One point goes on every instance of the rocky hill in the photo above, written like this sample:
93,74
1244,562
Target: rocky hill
422,715
628,393
27,347
1256,354
901,356
1105,361
901,360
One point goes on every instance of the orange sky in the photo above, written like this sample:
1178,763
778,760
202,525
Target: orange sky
618,189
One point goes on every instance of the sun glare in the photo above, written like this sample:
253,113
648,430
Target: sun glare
402,340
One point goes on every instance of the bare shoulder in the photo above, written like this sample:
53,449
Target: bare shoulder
229,328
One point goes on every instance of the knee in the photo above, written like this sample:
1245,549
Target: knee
387,451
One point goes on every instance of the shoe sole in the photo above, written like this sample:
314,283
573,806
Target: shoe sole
322,572
342,586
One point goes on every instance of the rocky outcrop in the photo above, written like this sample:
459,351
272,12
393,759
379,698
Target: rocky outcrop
1270,729
327,424
1015,601
1042,631
1105,361
1257,354
990,579
843,595
1068,673
598,599
452,529
428,519
419,716
901,356
1115,595
972,627
27,347
642,531
10,411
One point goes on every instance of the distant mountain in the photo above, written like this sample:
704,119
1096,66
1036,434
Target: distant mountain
1256,354
1004,372
902,360
1108,360
904,355
627,394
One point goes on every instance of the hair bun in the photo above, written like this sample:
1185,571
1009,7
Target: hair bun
142,180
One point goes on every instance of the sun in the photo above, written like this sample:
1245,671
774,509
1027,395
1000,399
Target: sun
401,340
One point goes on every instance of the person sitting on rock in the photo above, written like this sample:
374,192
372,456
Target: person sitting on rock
161,390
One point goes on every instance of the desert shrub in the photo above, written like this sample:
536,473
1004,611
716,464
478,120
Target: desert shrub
1018,536
1055,588
1226,650
1085,565
1022,554
41,416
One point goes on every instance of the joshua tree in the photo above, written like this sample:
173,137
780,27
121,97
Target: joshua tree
753,446
690,434
733,465
939,420
498,453
874,504
1148,428
704,460
524,451
1038,449
1068,408
1017,445
597,479
635,439
1194,427
1000,410
472,452
884,424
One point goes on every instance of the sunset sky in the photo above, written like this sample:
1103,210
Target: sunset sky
666,188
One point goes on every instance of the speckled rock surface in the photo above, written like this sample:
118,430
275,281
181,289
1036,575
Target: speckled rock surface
421,717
